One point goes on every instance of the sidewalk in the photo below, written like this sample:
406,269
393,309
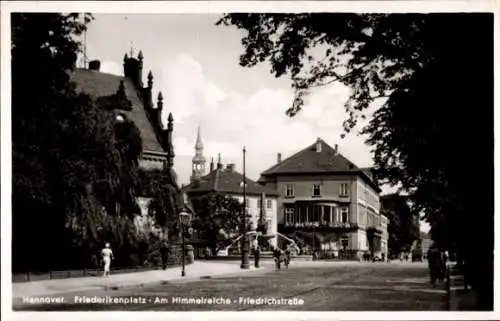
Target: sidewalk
460,299
198,270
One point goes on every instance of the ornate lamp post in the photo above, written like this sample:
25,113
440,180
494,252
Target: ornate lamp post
184,219
245,263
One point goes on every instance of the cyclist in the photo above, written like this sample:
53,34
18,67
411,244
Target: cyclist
277,258
288,256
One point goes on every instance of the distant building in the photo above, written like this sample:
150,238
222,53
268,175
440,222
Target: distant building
198,169
325,196
132,101
426,242
261,201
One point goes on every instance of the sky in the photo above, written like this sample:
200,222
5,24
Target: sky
195,66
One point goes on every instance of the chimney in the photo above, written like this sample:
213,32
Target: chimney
212,165
279,158
318,145
230,167
336,149
132,68
95,65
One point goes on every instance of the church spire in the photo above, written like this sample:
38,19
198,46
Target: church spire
199,143
199,160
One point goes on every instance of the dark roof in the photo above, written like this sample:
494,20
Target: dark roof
98,84
309,160
227,181
327,160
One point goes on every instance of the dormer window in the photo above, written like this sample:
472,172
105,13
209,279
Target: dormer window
120,118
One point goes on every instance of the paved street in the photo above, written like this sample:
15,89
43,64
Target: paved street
325,286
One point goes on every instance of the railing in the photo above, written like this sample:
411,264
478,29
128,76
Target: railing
174,259
90,272
321,224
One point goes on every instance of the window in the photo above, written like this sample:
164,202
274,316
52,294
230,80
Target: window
259,203
344,214
289,215
269,204
344,242
316,190
289,190
344,191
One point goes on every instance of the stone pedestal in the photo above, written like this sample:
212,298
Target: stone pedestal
190,254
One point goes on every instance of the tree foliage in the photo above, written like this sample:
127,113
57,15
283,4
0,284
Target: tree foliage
403,228
74,166
218,219
434,73
166,202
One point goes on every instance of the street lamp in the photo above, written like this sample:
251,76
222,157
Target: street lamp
184,219
245,262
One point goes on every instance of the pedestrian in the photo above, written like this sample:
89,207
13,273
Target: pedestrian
164,254
107,256
435,264
288,255
277,258
444,260
256,252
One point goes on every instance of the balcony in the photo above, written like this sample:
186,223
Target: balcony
318,226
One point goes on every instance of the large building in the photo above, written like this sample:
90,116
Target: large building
324,195
132,101
261,203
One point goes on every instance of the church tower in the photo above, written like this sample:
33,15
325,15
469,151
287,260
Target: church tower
198,159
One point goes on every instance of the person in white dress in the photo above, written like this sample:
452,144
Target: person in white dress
107,256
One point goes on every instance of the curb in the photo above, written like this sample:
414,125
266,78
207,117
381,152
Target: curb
182,280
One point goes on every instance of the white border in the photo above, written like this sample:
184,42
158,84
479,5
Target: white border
210,7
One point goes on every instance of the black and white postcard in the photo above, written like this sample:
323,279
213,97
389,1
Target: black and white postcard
324,159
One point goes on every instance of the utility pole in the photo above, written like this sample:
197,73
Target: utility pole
245,263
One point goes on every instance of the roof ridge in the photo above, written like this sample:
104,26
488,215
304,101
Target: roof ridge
300,152
98,72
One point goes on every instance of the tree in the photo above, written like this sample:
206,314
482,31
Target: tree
403,228
73,165
218,219
166,202
415,63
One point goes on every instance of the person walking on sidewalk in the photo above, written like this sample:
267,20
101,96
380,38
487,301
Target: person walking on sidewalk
107,256
164,254
435,264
